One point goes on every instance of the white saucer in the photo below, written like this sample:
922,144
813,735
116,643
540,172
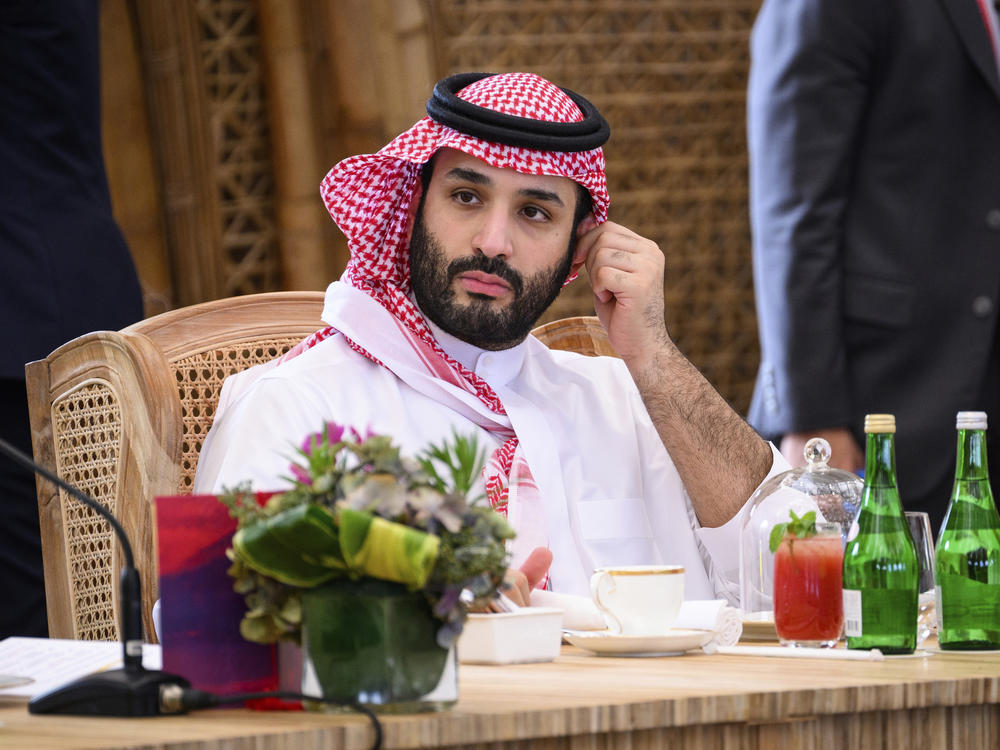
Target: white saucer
672,643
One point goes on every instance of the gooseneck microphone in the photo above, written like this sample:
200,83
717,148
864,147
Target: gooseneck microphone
132,690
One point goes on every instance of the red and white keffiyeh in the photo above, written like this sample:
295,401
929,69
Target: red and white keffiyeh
369,195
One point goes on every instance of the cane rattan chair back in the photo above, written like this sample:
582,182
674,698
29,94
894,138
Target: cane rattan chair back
122,415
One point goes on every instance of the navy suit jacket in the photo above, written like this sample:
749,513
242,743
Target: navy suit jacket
66,268
874,136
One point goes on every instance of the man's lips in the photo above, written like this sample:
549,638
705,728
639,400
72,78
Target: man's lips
478,282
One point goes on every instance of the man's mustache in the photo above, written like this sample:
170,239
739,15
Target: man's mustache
494,266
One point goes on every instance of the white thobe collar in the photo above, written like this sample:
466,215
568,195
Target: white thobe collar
496,368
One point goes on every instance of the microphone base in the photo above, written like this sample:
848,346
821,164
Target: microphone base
118,692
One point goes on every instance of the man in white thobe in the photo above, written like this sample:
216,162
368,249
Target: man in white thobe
462,231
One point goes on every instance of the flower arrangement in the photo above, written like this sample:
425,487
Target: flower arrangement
359,509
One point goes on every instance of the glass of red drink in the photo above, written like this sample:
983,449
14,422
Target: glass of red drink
808,573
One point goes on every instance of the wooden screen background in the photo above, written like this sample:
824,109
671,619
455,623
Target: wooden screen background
237,108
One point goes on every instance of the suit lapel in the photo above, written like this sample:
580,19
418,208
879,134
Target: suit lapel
971,29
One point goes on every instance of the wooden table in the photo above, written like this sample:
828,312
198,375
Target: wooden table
582,701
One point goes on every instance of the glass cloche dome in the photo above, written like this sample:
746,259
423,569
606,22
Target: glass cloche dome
834,494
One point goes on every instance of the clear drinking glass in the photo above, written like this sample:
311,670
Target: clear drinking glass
808,604
923,542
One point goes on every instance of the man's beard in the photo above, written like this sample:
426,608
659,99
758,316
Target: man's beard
479,322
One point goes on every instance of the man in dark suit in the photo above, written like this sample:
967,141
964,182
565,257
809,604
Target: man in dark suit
874,136
66,267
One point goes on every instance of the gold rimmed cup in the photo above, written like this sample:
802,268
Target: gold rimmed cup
638,600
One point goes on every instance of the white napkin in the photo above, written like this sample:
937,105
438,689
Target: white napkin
712,614
580,613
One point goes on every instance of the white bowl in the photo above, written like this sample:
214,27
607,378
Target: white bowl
528,634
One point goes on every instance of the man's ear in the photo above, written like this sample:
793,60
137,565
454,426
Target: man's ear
580,250
411,211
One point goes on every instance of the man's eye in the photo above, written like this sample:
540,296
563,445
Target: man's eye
465,196
534,212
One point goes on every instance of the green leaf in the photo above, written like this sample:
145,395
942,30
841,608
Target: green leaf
461,458
777,534
260,629
373,546
800,528
292,611
803,527
298,547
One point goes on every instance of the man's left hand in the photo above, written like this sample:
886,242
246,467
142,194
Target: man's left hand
626,274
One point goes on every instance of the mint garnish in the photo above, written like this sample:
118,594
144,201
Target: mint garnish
801,528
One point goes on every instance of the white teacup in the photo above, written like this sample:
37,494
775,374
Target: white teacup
638,599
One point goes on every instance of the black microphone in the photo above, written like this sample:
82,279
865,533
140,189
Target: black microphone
132,690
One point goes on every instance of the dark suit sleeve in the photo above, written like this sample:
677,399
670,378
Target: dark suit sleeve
812,68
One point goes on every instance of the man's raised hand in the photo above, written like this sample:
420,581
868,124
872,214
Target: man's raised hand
626,274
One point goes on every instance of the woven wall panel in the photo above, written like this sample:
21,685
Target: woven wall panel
199,382
230,46
670,76
86,423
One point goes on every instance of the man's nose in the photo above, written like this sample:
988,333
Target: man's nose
493,238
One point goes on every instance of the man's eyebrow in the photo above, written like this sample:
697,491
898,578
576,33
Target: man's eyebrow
542,195
478,178
469,175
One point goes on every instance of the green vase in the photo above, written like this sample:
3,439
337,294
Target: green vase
373,642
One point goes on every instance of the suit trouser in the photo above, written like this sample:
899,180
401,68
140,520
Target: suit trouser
22,589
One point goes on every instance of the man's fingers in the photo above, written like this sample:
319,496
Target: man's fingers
515,587
607,234
611,281
625,259
517,584
536,566
609,247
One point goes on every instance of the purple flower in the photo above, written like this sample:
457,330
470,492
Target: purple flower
331,434
359,438
449,598
300,474
334,434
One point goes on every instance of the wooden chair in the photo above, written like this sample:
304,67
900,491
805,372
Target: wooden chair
583,334
122,415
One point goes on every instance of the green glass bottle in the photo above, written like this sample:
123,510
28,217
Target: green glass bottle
967,555
880,562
